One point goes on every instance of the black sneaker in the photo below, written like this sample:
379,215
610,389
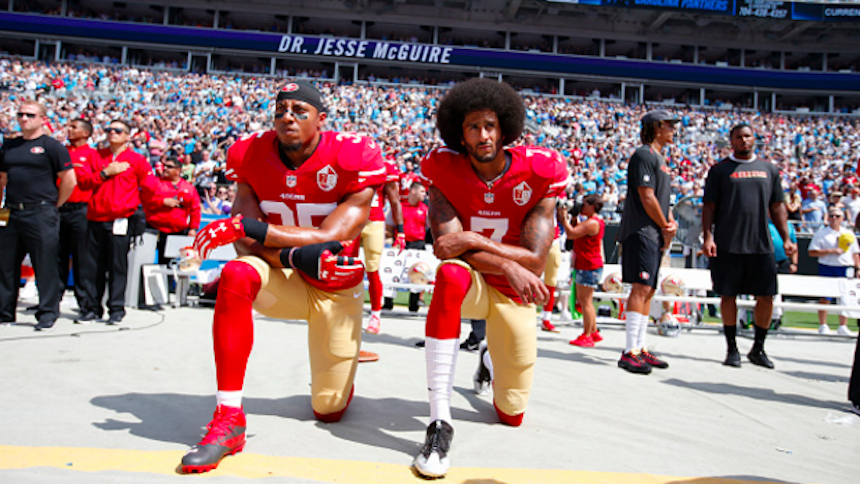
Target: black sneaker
733,358
45,325
86,318
225,436
433,460
758,357
115,319
634,364
389,304
470,345
482,378
855,407
652,360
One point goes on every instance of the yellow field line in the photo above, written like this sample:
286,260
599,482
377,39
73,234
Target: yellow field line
248,465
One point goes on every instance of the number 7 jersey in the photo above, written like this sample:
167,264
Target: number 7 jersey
496,210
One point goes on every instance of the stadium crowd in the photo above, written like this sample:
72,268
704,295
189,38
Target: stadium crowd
197,117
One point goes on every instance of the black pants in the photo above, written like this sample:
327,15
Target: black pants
73,242
414,297
107,264
854,383
35,231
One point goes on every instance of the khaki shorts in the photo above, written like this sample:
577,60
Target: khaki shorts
334,328
511,338
373,241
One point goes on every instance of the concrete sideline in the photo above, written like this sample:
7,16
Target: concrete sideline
104,404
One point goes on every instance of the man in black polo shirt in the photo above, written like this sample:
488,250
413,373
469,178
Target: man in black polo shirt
29,168
647,229
739,192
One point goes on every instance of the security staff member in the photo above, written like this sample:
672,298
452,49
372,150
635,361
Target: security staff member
171,205
73,215
115,176
29,168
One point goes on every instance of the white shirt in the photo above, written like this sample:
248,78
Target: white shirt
827,238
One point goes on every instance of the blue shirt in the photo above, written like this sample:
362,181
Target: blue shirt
778,249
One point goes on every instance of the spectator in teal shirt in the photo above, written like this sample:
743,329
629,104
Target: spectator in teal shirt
784,264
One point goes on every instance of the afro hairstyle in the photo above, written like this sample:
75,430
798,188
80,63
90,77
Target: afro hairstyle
474,95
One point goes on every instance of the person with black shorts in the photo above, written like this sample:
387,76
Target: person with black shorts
647,229
740,191
30,167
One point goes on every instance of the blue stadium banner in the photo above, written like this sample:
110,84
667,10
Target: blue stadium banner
825,12
763,9
719,7
348,49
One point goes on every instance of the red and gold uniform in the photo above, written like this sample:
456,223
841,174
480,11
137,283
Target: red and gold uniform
373,235
342,164
406,180
497,210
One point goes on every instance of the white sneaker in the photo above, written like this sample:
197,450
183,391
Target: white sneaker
566,316
844,331
433,460
824,329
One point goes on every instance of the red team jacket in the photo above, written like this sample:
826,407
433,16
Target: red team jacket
80,158
342,164
377,207
414,221
117,197
166,219
496,211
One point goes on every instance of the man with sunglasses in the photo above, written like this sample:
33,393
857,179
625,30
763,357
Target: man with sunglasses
304,195
740,192
30,168
171,205
115,176
837,252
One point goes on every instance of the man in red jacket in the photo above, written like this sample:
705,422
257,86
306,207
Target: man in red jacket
115,176
73,214
171,205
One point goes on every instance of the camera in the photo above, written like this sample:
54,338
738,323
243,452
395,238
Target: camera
572,207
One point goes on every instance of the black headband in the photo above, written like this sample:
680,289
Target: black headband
302,91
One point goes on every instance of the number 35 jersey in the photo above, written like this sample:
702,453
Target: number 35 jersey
342,164
496,209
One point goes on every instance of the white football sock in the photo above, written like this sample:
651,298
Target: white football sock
229,399
441,358
546,315
631,331
378,314
643,330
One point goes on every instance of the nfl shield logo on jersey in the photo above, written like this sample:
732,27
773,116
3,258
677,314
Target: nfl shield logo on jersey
291,181
489,197
522,193
327,178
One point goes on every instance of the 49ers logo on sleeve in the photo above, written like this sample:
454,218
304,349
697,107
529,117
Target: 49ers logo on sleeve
326,178
37,150
522,193
291,181
290,87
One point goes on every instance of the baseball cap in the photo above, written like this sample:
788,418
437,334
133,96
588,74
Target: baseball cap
659,115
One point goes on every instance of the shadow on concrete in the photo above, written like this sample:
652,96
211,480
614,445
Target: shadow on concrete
723,479
756,393
808,375
181,419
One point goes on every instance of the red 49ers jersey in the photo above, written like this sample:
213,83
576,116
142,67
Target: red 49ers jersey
377,206
496,210
342,164
406,180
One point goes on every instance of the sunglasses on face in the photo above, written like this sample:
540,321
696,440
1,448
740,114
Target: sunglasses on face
171,167
114,130
28,115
